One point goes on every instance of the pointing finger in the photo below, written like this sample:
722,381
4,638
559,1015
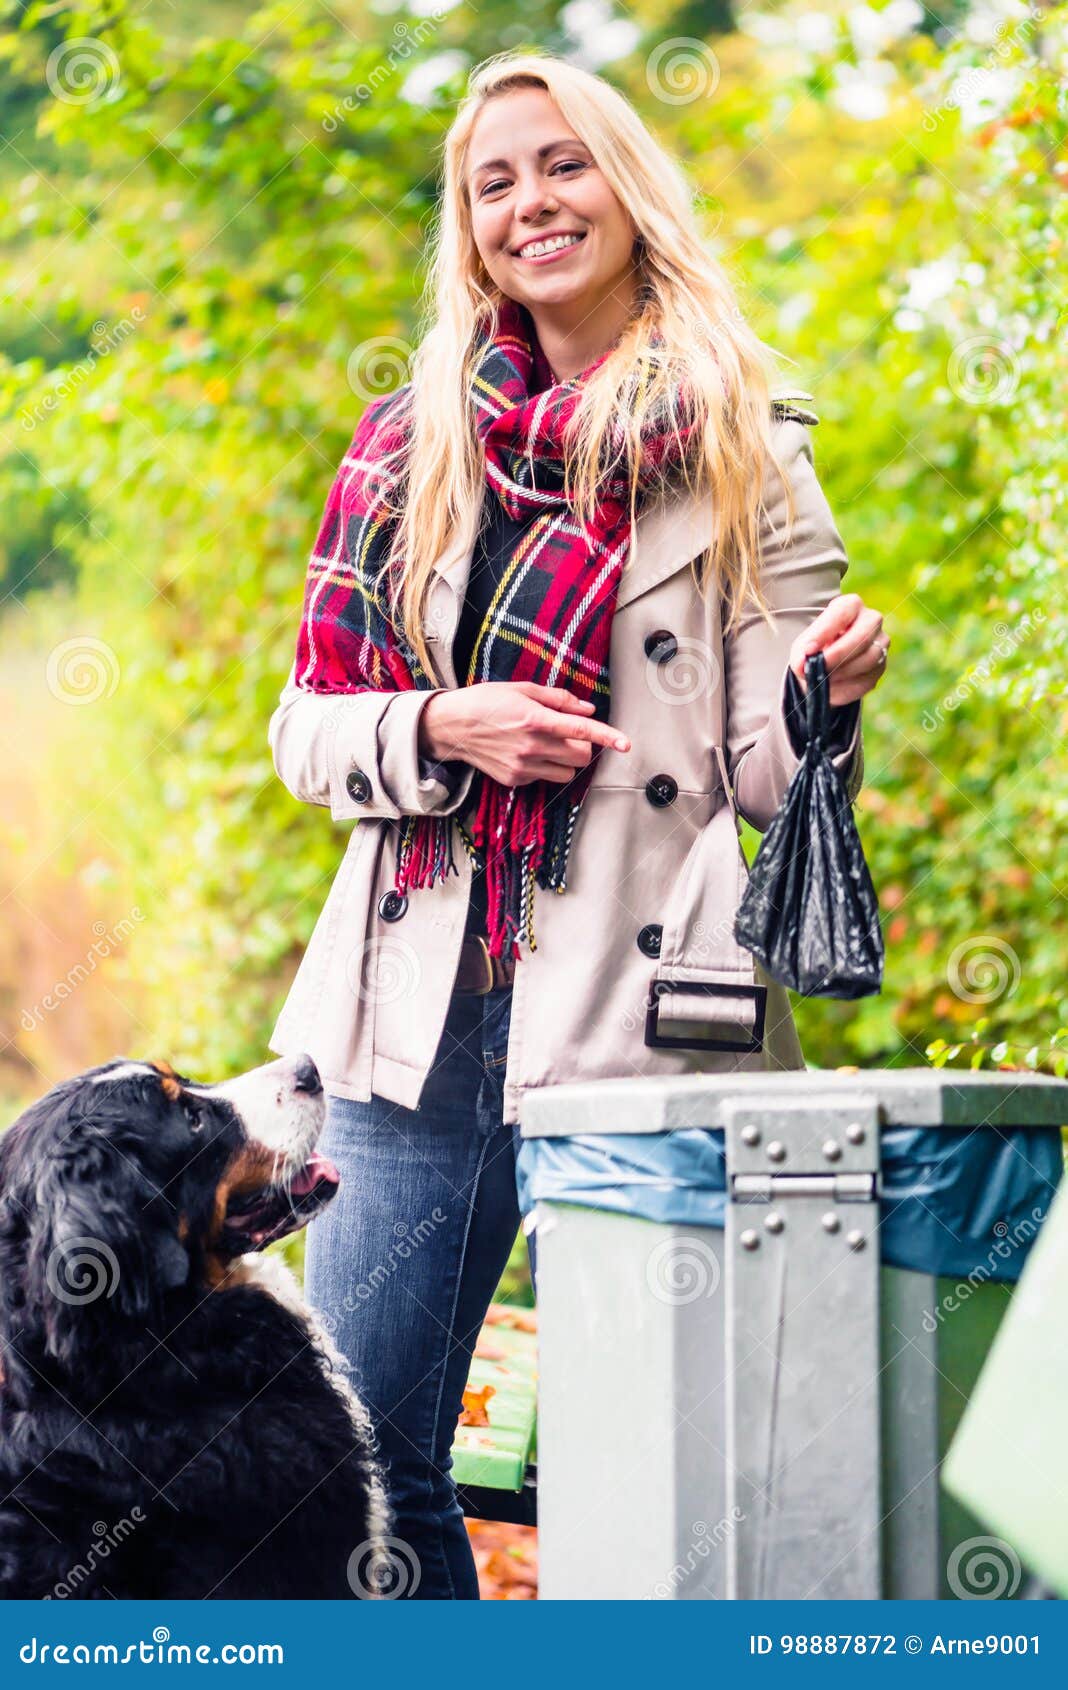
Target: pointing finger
596,733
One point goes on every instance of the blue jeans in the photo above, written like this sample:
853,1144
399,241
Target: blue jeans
403,1266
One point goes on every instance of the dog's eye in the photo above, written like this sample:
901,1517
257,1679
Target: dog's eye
194,1114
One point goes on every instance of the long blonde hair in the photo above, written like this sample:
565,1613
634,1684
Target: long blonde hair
684,298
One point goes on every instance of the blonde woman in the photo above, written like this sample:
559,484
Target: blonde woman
552,649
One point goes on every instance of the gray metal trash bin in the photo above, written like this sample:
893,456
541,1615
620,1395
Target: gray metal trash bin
759,1407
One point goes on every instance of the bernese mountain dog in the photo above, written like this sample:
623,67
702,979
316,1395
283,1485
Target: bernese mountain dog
174,1421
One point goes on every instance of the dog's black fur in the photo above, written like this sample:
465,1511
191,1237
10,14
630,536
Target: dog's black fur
183,1432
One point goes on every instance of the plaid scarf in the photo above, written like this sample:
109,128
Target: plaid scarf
550,620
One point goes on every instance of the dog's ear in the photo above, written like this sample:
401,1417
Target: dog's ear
104,1248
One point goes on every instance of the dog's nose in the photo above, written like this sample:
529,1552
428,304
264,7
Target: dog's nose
306,1077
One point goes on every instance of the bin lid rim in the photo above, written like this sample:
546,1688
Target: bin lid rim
905,1097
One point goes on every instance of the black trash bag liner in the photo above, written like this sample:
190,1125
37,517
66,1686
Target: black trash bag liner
809,913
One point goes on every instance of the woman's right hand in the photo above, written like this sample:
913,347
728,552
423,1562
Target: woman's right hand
515,731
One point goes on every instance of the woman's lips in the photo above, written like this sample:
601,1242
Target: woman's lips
547,257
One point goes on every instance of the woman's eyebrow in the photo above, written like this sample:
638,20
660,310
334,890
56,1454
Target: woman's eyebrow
542,152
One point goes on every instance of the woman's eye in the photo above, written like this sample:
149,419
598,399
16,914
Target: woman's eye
570,164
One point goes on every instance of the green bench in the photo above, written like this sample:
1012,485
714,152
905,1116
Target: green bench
494,1465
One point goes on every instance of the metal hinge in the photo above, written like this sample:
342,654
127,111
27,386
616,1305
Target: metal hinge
769,1188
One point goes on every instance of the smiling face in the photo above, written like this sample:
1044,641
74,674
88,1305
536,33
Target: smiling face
530,178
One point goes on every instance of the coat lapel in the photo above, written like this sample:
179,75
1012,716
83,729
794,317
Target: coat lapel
667,536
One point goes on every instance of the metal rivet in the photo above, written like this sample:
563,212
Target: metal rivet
830,1221
773,1221
776,1152
750,1135
832,1149
855,1133
856,1240
750,1240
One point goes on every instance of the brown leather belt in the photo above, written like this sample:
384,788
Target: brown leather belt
479,972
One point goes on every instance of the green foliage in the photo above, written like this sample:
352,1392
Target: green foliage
918,277
223,256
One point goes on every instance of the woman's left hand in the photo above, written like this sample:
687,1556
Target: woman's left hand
850,636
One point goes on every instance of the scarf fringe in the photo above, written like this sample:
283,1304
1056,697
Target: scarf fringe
520,836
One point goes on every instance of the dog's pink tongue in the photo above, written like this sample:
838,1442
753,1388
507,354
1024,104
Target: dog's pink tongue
314,1172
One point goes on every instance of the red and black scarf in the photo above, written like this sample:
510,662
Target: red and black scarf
550,622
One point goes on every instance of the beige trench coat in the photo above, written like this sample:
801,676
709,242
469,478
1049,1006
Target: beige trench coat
370,996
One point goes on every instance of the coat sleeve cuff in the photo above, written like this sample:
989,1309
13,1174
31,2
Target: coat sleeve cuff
761,777
358,754
801,566
417,785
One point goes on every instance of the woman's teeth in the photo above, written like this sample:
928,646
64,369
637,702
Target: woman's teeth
537,249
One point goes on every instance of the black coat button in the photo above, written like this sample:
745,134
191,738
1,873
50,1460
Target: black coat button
358,786
661,645
661,790
649,939
392,905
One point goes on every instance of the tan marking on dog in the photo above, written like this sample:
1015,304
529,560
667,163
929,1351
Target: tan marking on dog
253,1167
172,1085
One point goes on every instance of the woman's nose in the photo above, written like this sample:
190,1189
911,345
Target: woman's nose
533,200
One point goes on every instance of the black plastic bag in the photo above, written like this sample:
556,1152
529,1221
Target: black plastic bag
809,913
